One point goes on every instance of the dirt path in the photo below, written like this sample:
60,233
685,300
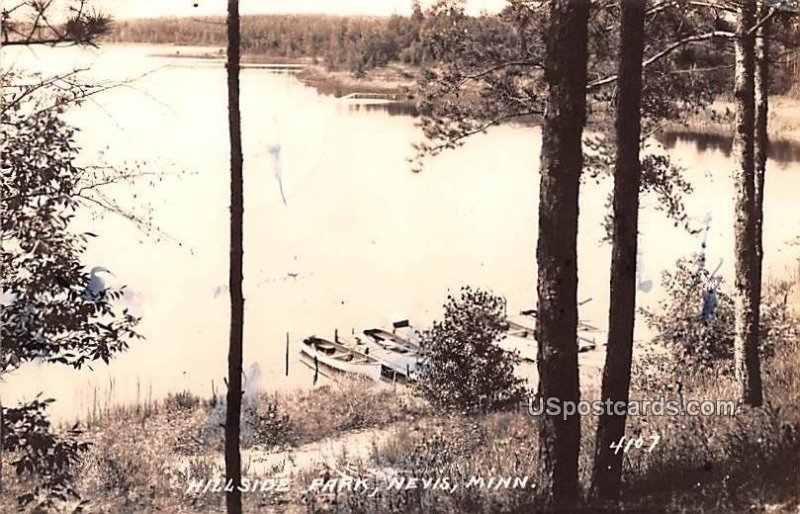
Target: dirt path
348,448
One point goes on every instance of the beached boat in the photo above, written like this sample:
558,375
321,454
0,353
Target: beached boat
338,357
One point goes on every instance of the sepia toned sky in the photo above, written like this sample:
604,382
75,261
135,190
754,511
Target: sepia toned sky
154,8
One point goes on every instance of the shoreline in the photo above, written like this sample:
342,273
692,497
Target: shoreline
398,80
395,80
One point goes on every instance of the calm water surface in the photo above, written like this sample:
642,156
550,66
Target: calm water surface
359,240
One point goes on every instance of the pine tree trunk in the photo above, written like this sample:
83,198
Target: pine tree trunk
761,136
607,471
2,443
233,465
556,255
746,358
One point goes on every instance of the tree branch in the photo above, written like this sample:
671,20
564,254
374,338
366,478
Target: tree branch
500,66
663,53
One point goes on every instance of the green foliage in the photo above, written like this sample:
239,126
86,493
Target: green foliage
696,318
355,44
44,458
47,314
266,424
660,177
181,401
463,367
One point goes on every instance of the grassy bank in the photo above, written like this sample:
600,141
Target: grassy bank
749,462
396,80
141,459
718,119
142,456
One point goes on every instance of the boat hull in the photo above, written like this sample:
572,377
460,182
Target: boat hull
360,365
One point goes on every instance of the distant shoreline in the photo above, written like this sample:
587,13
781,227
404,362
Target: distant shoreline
399,80
395,80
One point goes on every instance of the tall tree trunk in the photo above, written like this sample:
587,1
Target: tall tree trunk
607,471
556,254
2,443
233,464
761,136
746,358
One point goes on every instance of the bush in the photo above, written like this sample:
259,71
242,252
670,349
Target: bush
695,320
463,367
181,401
267,425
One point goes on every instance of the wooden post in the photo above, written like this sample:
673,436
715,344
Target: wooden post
335,335
287,354
316,370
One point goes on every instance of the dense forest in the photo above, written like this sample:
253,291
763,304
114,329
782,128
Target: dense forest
354,43
360,43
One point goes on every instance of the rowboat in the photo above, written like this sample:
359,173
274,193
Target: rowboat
339,357
391,340
398,361
522,326
523,346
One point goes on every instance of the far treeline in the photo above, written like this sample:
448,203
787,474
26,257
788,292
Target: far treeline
361,43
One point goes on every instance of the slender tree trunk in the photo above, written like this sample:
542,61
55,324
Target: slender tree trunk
607,471
761,137
2,443
233,465
746,358
556,254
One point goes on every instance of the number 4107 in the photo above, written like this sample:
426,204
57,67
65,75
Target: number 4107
626,443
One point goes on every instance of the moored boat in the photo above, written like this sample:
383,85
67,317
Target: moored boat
339,357
390,340
398,361
522,326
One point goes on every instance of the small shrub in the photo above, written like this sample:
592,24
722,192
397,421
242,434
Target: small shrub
464,369
696,319
267,425
181,401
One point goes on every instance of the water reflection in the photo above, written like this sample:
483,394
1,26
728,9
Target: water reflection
359,239
390,108
779,150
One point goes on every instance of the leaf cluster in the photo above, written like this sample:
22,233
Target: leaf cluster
463,367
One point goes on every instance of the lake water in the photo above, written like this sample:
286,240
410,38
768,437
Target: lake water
359,240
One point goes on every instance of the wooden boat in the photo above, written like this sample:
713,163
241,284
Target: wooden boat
398,362
523,346
522,326
338,357
390,340
583,325
519,329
